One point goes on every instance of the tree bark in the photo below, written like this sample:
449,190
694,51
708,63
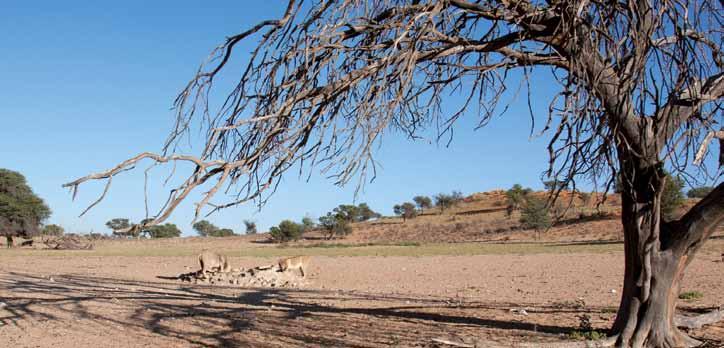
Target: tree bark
657,254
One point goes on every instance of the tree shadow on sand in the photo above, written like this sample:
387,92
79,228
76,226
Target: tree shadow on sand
232,316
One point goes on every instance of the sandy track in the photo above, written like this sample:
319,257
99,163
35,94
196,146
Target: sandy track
352,302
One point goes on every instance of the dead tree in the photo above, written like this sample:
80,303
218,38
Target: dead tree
640,87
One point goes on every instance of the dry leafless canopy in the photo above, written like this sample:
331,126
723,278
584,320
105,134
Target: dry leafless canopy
328,78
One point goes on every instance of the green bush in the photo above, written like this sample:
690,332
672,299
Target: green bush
335,225
691,295
222,232
52,230
535,215
672,197
204,228
515,197
164,231
286,231
207,229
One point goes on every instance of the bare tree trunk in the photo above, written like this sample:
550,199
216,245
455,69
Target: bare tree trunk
657,254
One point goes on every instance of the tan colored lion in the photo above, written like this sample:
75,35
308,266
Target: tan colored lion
210,261
298,262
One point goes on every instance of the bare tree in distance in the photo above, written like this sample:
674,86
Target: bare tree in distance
640,88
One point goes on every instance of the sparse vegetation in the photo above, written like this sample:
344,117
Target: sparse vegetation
585,330
446,201
691,295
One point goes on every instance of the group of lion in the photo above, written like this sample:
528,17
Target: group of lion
211,261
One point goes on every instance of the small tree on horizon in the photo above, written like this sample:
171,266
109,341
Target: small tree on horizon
515,198
250,227
535,215
446,201
308,224
405,210
118,224
335,225
204,228
423,202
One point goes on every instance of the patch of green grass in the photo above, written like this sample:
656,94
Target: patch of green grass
691,295
591,335
182,247
346,245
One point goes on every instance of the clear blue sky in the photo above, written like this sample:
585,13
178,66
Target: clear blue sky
86,85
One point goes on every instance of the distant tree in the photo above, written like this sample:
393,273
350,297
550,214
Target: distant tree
204,228
250,227
222,232
553,185
364,213
408,211
699,192
308,223
457,197
535,215
164,231
119,224
672,197
335,225
515,197
423,202
21,211
286,231
52,230
445,201
348,212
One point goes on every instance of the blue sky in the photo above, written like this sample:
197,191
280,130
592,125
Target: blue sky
86,85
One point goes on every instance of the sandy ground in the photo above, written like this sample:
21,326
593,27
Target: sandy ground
114,301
